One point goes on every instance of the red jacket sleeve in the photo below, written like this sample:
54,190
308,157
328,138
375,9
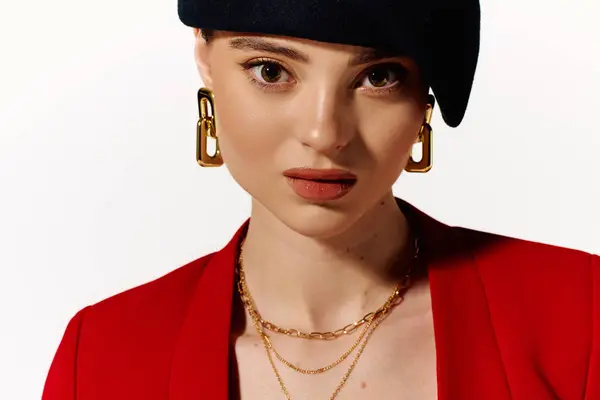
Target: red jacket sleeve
593,381
61,380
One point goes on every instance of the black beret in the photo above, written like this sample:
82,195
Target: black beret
441,35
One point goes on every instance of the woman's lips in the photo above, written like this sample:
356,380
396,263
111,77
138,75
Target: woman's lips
320,184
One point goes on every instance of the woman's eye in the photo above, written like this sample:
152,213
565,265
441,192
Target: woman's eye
269,72
384,76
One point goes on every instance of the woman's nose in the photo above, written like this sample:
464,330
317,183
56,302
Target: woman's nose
326,125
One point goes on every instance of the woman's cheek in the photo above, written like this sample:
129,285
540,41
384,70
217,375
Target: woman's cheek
249,138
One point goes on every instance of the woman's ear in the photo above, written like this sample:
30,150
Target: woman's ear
201,55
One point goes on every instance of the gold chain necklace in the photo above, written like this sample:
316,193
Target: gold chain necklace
344,378
346,330
391,302
372,324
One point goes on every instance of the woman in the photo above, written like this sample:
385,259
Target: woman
316,109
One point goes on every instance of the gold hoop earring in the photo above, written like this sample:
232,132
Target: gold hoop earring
207,129
424,137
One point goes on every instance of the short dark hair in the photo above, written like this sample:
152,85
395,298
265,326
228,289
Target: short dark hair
207,34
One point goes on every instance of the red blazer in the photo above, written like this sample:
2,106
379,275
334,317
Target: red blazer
512,320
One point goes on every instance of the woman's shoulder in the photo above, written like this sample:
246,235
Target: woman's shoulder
532,270
539,284
161,303
506,253
542,301
542,287
135,330
176,285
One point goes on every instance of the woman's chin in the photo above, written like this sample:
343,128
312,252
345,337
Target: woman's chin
317,220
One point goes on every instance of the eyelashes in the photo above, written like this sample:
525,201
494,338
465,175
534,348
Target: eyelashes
267,74
272,76
384,76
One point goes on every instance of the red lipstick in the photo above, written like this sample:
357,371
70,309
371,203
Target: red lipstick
320,184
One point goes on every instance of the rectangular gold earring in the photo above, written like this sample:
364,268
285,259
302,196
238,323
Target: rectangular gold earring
206,131
425,163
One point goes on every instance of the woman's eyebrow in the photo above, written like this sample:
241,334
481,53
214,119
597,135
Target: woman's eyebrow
371,55
257,44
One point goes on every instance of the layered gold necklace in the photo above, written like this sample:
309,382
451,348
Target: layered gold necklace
368,323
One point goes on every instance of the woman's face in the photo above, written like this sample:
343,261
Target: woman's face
283,104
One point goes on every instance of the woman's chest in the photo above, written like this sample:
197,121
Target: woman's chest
396,362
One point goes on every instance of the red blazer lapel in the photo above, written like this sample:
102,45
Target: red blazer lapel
200,367
469,365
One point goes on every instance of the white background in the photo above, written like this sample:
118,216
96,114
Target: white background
99,189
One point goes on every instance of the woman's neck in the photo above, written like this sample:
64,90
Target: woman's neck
323,284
